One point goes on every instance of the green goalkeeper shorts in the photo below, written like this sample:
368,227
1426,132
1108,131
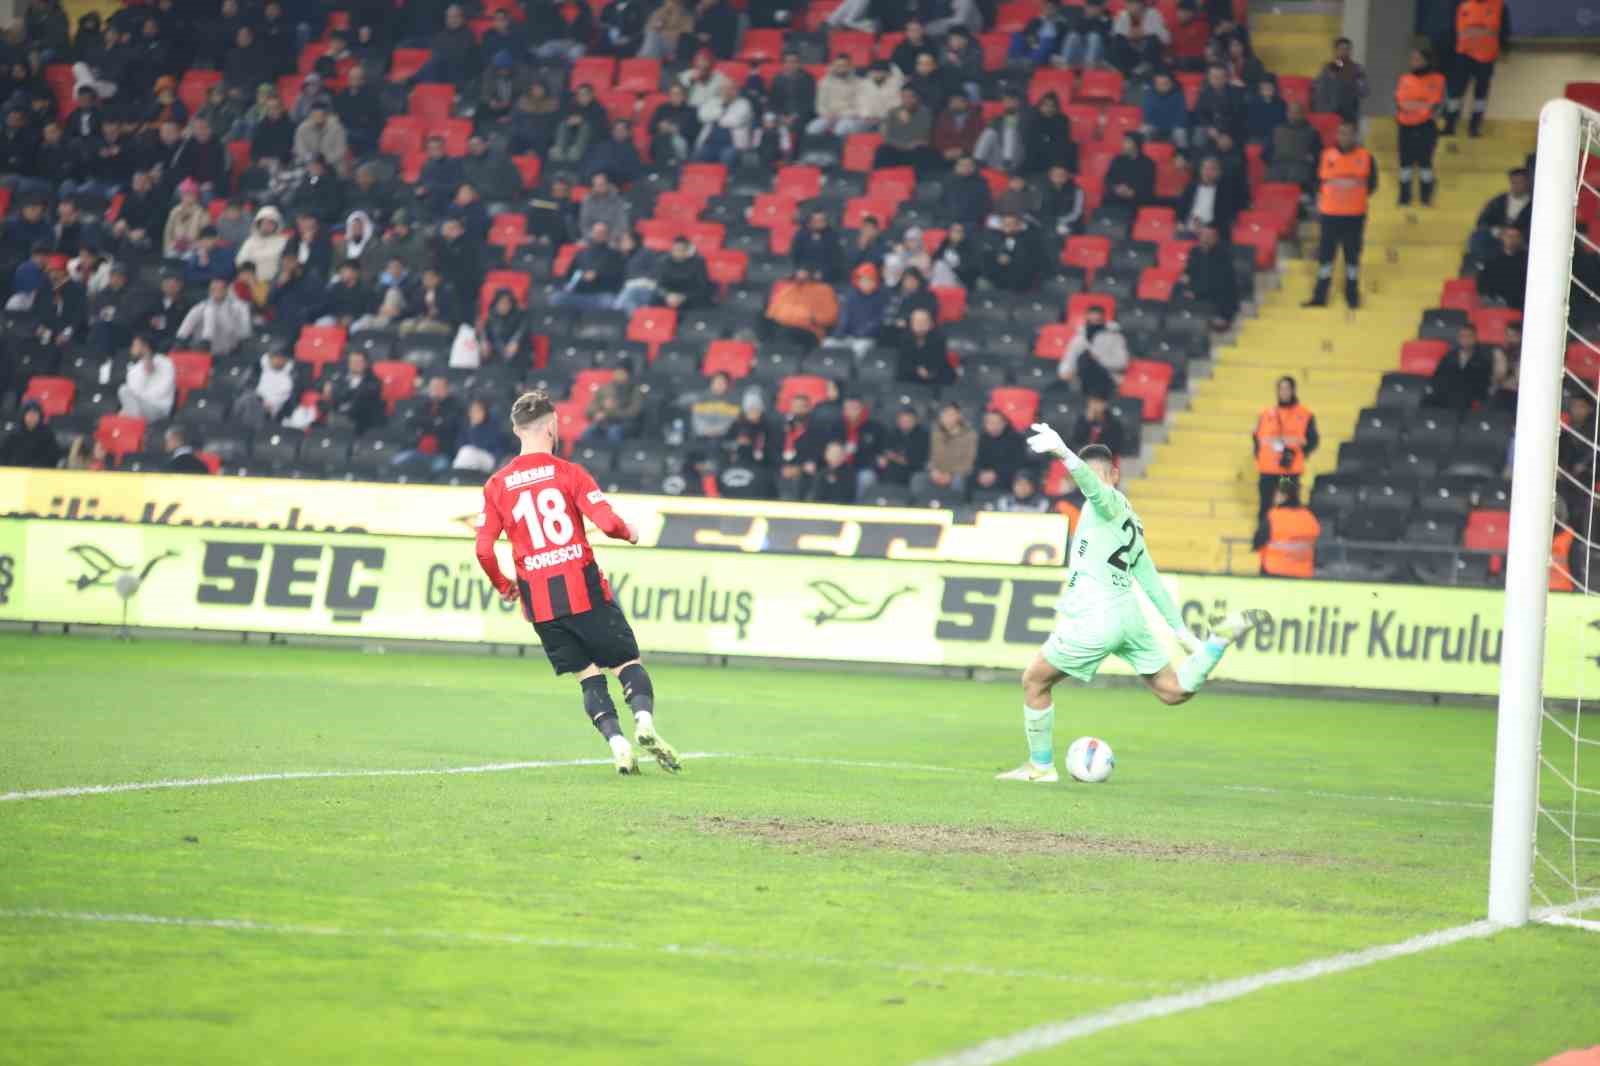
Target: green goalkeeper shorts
1081,643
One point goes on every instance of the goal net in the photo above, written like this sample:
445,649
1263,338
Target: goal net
1546,840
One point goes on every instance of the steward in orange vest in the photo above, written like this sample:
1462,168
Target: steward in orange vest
1348,176
1483,28
1285,434
1417,100
1287,535
1561,561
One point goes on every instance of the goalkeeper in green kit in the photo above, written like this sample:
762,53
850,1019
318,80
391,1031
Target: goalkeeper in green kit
1099,614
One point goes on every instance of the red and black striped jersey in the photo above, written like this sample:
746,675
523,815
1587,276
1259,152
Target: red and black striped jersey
540,501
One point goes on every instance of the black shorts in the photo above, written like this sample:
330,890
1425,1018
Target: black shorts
600,636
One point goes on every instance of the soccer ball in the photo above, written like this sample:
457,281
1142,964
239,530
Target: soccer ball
1090,760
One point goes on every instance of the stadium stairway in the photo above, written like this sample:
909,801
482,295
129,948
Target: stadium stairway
1198,490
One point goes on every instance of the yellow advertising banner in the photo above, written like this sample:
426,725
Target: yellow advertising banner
1339,635
753,526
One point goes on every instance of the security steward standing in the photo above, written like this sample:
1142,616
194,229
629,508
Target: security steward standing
1285,434
1348,176
1483,28
1418,97
1287,535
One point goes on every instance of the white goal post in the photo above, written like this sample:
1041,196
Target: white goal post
1567,134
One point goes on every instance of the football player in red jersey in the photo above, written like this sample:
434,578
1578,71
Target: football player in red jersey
540,501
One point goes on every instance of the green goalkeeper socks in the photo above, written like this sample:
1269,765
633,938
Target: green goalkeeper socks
1194,670
1040,728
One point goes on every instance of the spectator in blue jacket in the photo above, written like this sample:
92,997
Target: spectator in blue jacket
967,196
865,305
615,157
816,248
1166,112
1266,113
1040,41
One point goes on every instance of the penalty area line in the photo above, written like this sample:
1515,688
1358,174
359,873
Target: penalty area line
1053,1034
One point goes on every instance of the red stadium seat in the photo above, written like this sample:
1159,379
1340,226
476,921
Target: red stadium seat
1088,253
1460,294
730,357
528,167
1014,16
432,103
1052,341
319,346
761,46
1084,120
657,234
1174,254
310,54
620,104
860,207
407,63
1327,125
816,17
192,371
734,70
402,135
1422,356
1019,405
995,48
517,281
859,149
772,209
1155,224
1148,382
589,382
892,183
1191,82
195,85
1156,285
1047,80
120,435
801,384
798,182
53,394
887,43
705,180
706,236
932,238
680,207
653,326
1095,159
780,239
1121,121
1488,531
572,418
1104,86
639,75
1491,323
289,86
508,232
1295,87
726,266
856,45
564,256
398,378
952,302
1583,360
598,72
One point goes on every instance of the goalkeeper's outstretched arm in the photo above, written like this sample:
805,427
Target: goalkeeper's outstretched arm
1102,497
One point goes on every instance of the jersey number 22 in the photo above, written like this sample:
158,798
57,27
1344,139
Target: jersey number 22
1119,558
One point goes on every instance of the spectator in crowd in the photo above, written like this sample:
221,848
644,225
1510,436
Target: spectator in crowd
482,441
616,157
322,134
439,178
1002,144
835,479
924,354
1512,208
1024,496
295,298
913,44
1096,426
1221,105
1461,380
952,452
1576,456
404,244
265,245
1165,110
1016,260
622,26
1209,200
273,389
114,310
800,449
1131,177
665,30
61,309
752,444
674,129
1191,37
353,399
816,248
604,206
533,125
311,246
1287,533
359,110
1296,145
1285,435
802,311
725,126
862,438
966,194
933,84
1001,453
712,410
1504,370
955,134
151,387
1244,69
321,193
1341,85
683,281
207,259
1138,37
912,295
905,449
716,25
437,424
1047,138
272,141
595,277
793,93
911,253
959,257
1039,41
504,333
1096,355
221,320
870,245
1265,112
1208,276
435,304
1503,278
702,81
866,302
181,457
186,220
838,105
348,298
492,176
614,409
1089,38
878,95
907,135
1062,204
32,443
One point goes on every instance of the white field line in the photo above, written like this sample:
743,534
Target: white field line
1577,923
460,939
1054,1034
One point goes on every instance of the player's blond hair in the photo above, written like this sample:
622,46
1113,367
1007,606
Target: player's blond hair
531,407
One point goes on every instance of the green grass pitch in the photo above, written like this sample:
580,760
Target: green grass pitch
847,884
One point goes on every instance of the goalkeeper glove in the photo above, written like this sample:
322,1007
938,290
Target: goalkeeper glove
1046,441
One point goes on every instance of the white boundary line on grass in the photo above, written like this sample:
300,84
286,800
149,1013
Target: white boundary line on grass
1421,801
458,939
1054,1034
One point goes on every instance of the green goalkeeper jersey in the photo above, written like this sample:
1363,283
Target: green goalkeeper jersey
1108,555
